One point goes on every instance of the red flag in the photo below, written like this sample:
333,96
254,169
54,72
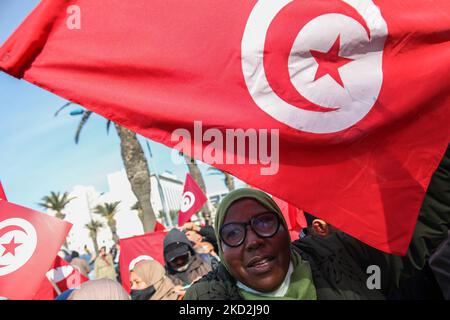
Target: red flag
29,242
159,227
144,247
2,193
192,200
63,275
45,291
295,218
351,97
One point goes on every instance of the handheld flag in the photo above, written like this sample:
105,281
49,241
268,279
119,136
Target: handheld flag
192,200
148,246
29,242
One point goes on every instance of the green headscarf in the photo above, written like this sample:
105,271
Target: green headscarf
302,286
238,194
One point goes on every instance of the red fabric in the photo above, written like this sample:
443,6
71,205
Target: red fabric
64,275
149,244
156,66
2,193
46,291
159,227
295,218
29,242
192,200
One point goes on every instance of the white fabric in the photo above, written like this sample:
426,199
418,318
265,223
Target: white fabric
280,292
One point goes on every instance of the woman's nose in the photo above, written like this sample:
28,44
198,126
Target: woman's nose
252,241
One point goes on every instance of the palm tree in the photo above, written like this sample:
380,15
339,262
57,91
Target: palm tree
94,226
196,174
228,178
135,165
56,202
108,211
138,208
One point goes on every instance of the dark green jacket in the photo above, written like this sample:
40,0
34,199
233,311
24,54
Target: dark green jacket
339,262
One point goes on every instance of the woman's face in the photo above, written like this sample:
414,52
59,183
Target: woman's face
259,263
136,282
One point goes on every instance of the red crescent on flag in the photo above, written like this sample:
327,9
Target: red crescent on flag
9,229
288,22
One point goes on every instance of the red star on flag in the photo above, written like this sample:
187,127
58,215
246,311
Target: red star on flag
10,247
330,62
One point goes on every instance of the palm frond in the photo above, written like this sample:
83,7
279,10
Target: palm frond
108,125
84,119
63,107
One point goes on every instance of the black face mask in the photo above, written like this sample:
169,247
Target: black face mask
143,294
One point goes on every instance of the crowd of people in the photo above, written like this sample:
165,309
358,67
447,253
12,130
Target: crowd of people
249,254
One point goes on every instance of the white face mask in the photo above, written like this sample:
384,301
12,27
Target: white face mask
182,269
186,266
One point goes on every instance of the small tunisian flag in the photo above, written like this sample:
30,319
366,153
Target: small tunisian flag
192,200
340,107
148,246
64,275
29,242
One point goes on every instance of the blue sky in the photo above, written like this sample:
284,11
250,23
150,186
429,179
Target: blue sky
37,150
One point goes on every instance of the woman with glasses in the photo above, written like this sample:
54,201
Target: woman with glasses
258,260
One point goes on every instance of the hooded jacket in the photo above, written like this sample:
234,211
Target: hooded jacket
197,266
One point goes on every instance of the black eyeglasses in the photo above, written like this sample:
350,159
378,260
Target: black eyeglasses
265,225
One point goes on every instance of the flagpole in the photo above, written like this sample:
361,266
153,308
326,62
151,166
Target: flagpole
160,189
55,287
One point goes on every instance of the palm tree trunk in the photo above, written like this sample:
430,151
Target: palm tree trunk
61,216
197,176
113,228
138,174
94,240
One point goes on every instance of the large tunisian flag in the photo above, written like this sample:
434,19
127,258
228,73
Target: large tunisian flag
144,247
351,97
29,242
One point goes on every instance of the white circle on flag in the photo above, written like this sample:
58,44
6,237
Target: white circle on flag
362,77
187,201
18,241
59,273
137,260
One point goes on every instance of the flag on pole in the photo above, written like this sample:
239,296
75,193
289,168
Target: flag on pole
63,275
148,246
346,102
192,200
29,242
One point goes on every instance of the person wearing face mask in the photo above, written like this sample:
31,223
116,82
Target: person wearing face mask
183,264
149,282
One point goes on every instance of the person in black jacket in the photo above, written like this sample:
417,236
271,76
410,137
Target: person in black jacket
182,263
259,262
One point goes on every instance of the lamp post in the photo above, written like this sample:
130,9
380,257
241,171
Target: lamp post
160,188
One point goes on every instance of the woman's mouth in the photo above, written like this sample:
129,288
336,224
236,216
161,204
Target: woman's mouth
261,264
